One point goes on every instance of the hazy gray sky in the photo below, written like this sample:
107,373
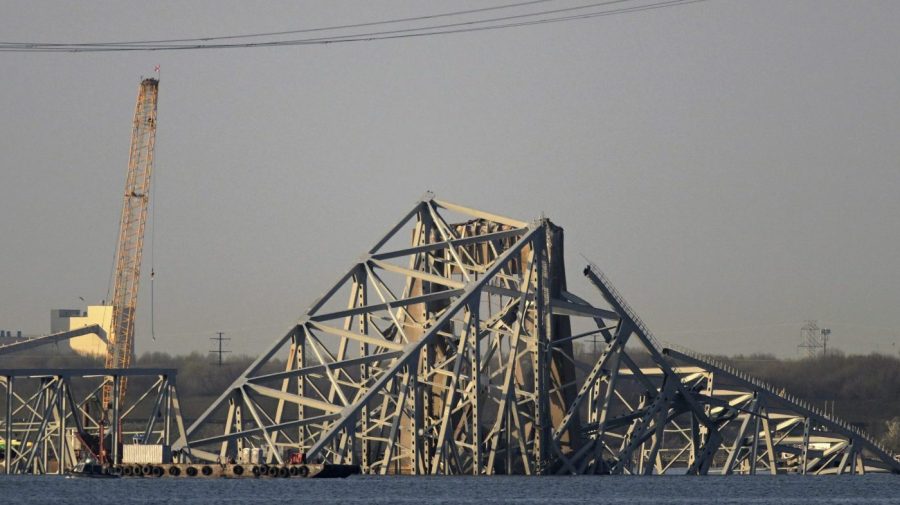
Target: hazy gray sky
732,165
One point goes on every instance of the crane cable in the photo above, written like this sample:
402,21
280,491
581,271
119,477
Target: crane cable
152,198
152,259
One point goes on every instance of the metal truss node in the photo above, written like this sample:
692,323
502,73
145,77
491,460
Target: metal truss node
52,414
448,349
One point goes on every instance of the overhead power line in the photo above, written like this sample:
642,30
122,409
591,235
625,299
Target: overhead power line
321,28
510,21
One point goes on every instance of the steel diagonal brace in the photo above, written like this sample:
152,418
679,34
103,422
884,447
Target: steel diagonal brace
367,309
663,417
44,420
618,342
248,402
604,412
444,229
508,387
273,428
774,399
487,216
439,246
412,350
318,369
661,403
395,424
449,403
235,386
701,464
739,440
603,329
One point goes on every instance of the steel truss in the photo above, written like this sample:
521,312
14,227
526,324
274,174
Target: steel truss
447,349
46,422
771,431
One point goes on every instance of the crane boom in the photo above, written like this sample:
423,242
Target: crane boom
120,347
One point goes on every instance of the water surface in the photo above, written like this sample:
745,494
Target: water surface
762,490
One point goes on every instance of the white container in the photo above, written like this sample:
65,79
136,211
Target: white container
139,453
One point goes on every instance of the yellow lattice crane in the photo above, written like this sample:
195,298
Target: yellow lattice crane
120,338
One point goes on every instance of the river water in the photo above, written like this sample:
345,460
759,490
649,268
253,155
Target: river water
761,490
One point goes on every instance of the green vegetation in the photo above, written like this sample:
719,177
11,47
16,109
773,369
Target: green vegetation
865,390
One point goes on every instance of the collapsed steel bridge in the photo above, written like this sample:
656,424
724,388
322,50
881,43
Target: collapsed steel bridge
448,348
54,416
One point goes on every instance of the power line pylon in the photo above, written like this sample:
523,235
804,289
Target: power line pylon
813,338
220,339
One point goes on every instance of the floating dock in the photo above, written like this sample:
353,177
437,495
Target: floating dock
230,471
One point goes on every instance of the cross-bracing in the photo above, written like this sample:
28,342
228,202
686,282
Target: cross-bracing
448,349
54,417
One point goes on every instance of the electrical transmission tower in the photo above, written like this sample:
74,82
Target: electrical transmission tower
220,339
813,338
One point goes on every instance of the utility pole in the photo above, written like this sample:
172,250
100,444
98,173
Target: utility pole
220,339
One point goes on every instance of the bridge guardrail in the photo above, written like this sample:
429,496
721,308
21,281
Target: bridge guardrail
625,306
779,392
771,389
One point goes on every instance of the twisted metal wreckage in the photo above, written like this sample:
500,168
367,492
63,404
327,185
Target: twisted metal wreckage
454,354
52,413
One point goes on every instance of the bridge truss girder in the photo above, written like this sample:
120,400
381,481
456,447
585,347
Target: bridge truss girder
447,349
49,414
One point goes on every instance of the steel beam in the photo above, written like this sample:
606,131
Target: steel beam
465,363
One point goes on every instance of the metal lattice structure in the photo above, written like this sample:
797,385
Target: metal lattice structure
131,232
448,349
52,415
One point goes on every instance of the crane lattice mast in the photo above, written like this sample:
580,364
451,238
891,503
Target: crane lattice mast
120,348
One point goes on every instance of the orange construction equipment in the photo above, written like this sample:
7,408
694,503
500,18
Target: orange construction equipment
120,349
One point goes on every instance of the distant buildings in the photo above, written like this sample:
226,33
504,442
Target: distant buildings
73,319
59,319
12,336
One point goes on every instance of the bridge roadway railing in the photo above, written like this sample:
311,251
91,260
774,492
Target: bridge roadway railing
801,405
611,288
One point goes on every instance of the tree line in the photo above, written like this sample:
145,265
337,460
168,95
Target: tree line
862,389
